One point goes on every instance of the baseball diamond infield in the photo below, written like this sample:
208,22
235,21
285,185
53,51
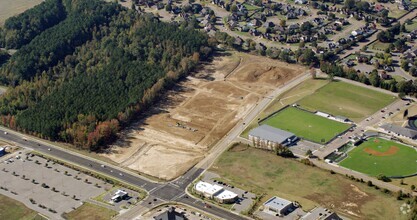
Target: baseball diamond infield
381,156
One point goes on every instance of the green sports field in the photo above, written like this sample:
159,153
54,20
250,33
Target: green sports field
345,99
306,125
380,156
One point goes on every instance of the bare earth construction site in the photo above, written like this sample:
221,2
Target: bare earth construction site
184,125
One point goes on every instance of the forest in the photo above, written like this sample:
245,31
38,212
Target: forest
20,30
82,80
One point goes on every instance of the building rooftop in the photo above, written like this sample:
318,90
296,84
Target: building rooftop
170,214
120,193
270,133
407,132
214,189
277,203
207,188
321,213
343,118
226,194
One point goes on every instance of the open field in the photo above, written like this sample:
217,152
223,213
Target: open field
340,98
12,209
9,8
261,172
379,156
90,211
191,117
306,125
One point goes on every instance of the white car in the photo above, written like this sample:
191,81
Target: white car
5,132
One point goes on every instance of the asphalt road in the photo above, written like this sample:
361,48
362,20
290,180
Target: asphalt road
174,191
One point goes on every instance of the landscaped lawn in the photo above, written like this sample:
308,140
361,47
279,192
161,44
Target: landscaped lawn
380,156
345,99
90,211
12,209
377,45
260,172
306,125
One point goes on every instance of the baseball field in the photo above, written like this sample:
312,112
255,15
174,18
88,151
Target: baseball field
380,156
306,125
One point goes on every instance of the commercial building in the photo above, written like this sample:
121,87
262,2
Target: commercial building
170,214
400,131
119,196
321,213
278,206
216,192
268,137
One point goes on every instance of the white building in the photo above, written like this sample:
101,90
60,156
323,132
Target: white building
276,205
119,195
215,192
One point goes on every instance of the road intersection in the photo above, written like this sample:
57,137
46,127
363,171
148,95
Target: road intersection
174,191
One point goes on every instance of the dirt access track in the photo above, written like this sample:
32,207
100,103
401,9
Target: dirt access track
190,118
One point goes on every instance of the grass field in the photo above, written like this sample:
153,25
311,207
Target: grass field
288,97
12,209
340,98
306,125
9,8
90,211
379,156
261,172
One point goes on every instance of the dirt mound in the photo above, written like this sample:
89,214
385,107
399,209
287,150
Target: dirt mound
391,151
265,74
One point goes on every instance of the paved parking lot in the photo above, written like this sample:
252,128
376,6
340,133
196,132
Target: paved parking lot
52,185
302,146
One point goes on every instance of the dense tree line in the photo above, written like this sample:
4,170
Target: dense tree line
402,87
55,43
21,29
85,97
4,56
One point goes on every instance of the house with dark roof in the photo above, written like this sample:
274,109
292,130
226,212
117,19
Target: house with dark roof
270,138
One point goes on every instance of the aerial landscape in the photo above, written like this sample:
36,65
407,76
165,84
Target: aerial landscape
208,109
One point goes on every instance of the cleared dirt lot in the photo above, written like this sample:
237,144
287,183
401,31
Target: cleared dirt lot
199,111
9,8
